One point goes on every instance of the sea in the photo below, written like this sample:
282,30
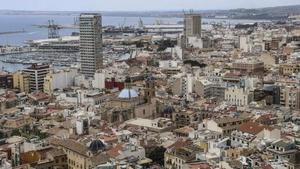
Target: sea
28,24
32,32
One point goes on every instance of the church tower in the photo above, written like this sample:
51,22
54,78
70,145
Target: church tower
149,90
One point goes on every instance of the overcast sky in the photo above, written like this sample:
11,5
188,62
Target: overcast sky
137,5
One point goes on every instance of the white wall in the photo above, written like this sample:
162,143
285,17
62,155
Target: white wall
195,42
64,79
99,80
165,64
244,44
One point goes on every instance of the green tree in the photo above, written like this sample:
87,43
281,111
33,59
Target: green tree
157,155
2,135
16,132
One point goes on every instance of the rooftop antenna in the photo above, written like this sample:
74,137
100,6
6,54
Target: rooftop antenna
191,11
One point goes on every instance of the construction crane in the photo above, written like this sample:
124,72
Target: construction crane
53,30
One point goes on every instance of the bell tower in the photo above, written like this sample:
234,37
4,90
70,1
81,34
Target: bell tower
149,90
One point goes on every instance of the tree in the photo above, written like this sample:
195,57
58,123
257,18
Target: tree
157,155
2,135
16,132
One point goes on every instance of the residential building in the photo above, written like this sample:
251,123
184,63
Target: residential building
290,96
289,69
224,125
251,131
6,80
21,81
249,66
238,96
37,74
60,79
99,79
177,158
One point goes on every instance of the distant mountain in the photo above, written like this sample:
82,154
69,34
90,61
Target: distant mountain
270,13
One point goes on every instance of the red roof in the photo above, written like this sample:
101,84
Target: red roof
252,128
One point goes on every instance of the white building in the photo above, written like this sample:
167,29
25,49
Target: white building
82,126
80,81
99,80
166,64
196,42
182,85
60,79
238,96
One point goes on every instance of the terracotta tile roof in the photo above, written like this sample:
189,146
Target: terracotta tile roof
99,159
71,145
184,130
56,152
199,165
266,167
253,128
180,143
114,152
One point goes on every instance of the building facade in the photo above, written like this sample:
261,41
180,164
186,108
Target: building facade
59,80
21,82
238,96
37,74
192,25
90,43
6,81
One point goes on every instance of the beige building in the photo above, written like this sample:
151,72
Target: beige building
177,158
21,82
238,96
289,69
17,122
79,156
206,89
224,125
37,74
249,66
290,97
192,25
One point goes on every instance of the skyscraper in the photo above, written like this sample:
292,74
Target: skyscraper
192,25
90,43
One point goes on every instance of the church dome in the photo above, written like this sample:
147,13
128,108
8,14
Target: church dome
169,110
96,146
128,93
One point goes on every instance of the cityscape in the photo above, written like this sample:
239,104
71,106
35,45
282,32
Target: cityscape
161,84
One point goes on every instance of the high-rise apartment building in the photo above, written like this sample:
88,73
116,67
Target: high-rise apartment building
37,74
192,25
90,43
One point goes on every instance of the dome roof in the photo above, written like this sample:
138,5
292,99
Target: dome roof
96,146
150,78
128,93
127,79
169,110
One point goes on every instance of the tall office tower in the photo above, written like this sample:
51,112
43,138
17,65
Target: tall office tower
90,43
192,25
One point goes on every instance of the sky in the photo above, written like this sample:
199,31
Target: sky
137,5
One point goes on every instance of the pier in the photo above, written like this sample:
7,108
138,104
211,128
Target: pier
12,32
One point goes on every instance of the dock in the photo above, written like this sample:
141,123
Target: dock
12,32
